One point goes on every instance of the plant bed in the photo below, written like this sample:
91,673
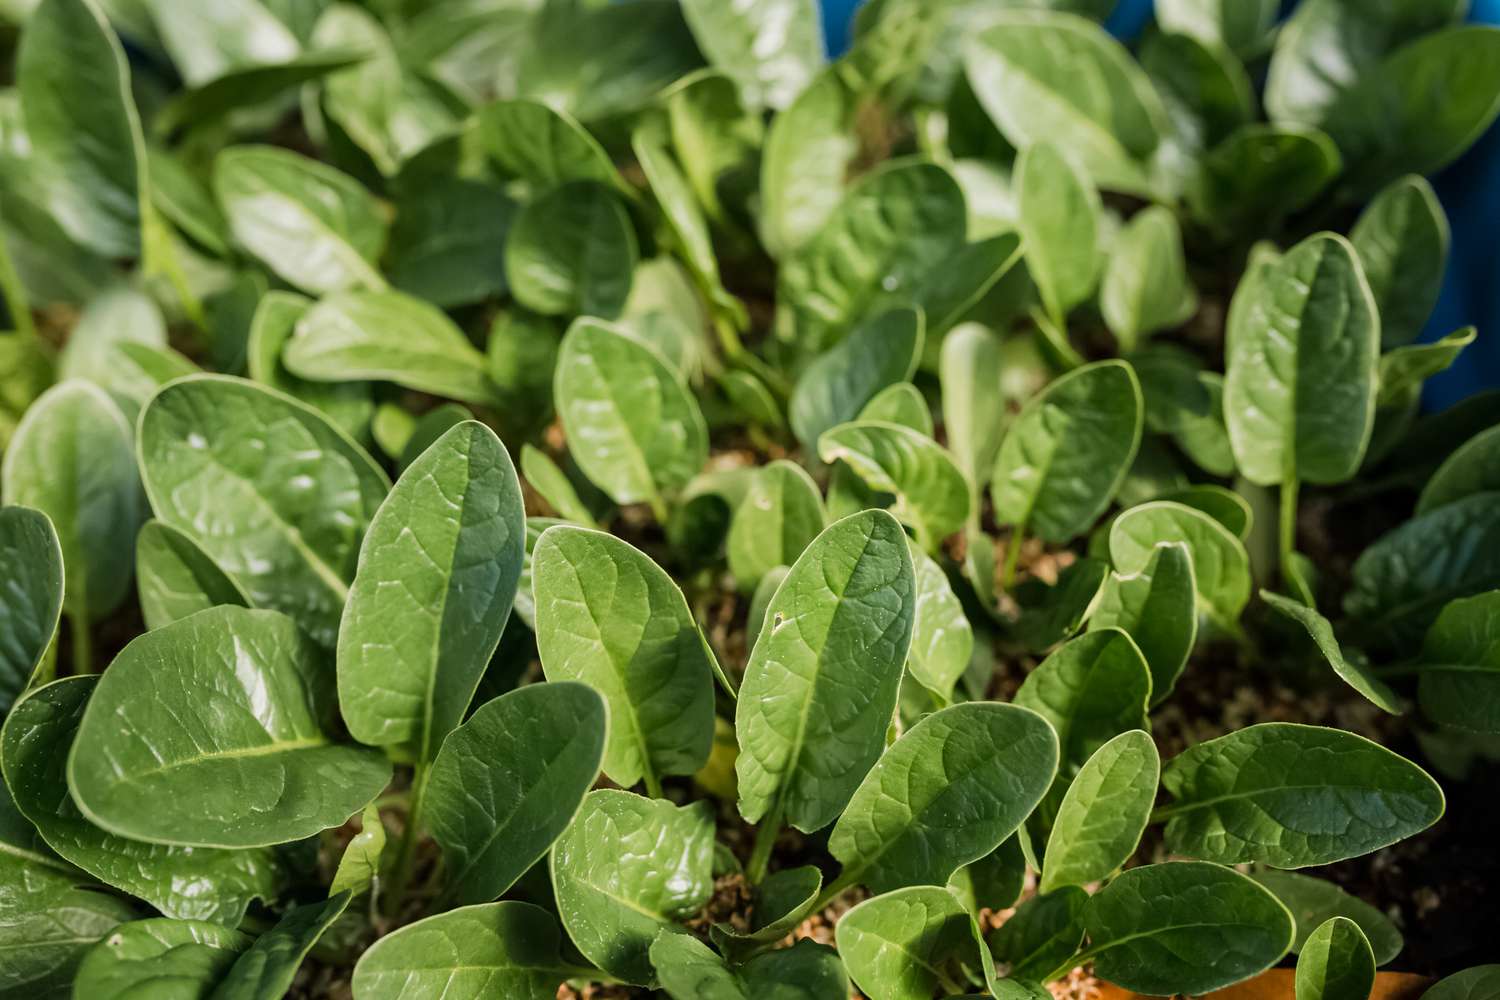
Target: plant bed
592,500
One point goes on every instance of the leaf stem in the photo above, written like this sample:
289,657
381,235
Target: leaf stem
1012,558
14,293
1287,541
161,258
766,833
83,641
653,783
847,880
658,509
406,851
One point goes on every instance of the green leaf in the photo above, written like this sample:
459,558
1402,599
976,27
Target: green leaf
31,603
782,902
1184,927
1055,77
970,366
852,270
717,139
1155,606
1471,469
170,959
1221,566
1293,796
780,516
689,970
772,50
572,251
902,403
1313,901
448,241
1405,577
71,458
1303,344
1470,984
821,684
1042,934
1355,673
899,946
1145,286
989,762
359,865
508,948
1207,94
1059,221
81,125
314,226
608,616
151,762
808,149
509,780
1052,614
932,495
187,883
1067,452
541,145
205,45
346,402
632,426
243,88
554,485
1335,963
387,336
436,581
1261,173
840,382
48,920
625,870
1402,240
175,578
1459,682
995,881
1091,689
942,639
266,969
1103,814
117,315
1242,27
1404,369
268,488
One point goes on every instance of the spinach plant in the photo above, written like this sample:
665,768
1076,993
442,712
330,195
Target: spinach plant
894,435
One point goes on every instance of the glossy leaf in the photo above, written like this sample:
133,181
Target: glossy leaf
898,946
781,514
149,764
808,149
838,384
1260,172
1145,285
1052,614
1459,681
1156,607
359,866
1292,796
1043,933
1221,566
1335,963
931,493
31,562
1402,240
1299,393
316,227
509,780
1067,452
1059,220
942,639
1355,673
608,616
1103,813
973,403
553,484
821,684
1470,984
475,951
572,251
542,145
347,402
1184,927
772,50
625,870
175,578
805,971
266,969
187,883
632,426
71,458
987,763
275,495
1091,690
448,241
782,902
1469,470
1242,27
1314,901
172,959
49,918
436,581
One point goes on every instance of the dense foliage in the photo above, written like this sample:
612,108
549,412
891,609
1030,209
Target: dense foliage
842,395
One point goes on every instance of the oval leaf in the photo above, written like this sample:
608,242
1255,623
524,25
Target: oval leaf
1104,812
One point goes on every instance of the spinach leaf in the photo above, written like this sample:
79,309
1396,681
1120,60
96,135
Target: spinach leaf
689,970
541,145
508,781
1469,470
1042,934
171,958
1155,606
970,367
1314,901
901,946
809,146
1353,672
627,868
1242,27
265,970
931,493
32,603
553,484
1335,963
275,495
1402,240
151,762
1103,813
772,50
466,954
1091,689
359,865
1260,172
1459,680
436,580
1052,614
448,241
942,639
1145,286
780,516
990,762
840,382
782,902
572,251
608,616
49,918
176,578
1059,219
822,680
1292,796
1184,927
1221,566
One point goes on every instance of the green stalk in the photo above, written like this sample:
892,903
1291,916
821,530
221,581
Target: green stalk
765,839
161,258
406,851
83,642
1012,557
1287,541
653,783
15,294
847,880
